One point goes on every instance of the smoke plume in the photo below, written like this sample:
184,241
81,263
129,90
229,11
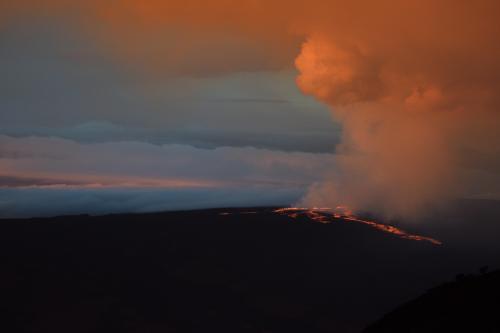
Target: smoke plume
419,112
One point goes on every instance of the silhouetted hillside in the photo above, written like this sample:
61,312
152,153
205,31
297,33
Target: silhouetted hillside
471,304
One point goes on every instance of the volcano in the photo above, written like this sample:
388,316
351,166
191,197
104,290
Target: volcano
218,270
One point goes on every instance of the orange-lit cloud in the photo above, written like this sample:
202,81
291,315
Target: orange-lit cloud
418,99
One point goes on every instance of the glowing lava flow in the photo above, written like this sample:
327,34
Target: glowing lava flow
328,215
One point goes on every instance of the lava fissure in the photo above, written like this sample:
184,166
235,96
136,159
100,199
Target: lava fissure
341,213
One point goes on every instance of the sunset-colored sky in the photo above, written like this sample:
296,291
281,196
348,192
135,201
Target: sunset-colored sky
140,105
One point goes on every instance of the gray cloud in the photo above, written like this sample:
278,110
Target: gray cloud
23,182
100,132
56,82
54,158
18,203
71,177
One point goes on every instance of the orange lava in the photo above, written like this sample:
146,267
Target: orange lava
329,215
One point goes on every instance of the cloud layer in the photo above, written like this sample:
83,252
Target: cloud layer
50,176
56,81
143,164
38,202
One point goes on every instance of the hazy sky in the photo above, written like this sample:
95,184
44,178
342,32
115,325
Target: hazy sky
387,105
80,131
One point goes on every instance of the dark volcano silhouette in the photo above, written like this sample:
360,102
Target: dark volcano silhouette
206,271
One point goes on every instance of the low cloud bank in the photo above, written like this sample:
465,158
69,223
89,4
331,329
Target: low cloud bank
43,202
51,176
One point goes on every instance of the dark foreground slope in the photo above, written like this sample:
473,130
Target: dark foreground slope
201,271
471,304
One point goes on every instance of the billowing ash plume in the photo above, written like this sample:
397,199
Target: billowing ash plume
421,122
